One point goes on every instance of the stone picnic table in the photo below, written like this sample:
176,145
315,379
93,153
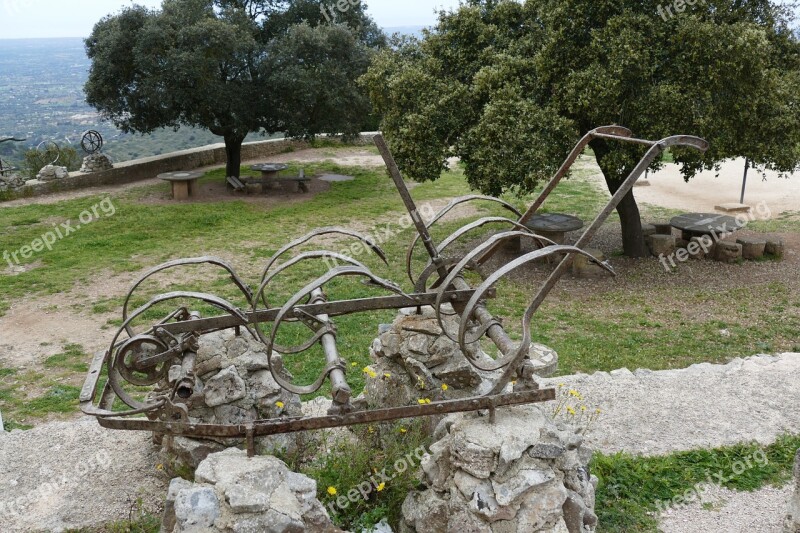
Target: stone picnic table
554,226
269,175
700,224
184,183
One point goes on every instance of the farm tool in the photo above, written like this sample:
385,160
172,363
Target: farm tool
163,358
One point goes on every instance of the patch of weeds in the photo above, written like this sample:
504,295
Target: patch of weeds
7,372
632,488
59,399
11,425
392,449
72,358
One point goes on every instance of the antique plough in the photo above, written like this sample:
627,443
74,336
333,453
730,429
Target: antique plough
163,357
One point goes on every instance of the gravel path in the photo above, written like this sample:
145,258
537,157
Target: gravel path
75,474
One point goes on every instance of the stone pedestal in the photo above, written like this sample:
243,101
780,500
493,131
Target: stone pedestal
520,474
52,172
792,524
96,163
775,246
234,493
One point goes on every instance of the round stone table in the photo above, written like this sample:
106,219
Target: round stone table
184,183
269,172
554,226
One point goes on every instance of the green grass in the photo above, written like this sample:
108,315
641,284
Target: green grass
633,489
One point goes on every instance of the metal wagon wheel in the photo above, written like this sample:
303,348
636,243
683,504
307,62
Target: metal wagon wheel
50,146
92,142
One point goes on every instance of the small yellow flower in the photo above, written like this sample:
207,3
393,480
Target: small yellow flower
371,429
423,401
573,392
561,385
160,467
354,363
279,405
583,408
403,430
571,411
597,411
381,487
444,386
371,373
387,375
332,491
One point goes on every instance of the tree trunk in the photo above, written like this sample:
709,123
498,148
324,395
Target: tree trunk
233,154
633,244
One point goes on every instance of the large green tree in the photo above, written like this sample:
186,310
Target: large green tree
509,86
233,67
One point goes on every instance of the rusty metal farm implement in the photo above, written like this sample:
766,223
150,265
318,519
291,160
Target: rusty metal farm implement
163,357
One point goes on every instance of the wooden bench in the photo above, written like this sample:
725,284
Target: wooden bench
236,184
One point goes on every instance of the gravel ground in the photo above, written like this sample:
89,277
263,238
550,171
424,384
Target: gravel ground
75,474
730,512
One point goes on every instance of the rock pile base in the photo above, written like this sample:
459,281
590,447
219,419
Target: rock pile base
96,163
52,172
232,493
521,474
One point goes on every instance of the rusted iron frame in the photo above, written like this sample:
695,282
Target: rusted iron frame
332,309
292,425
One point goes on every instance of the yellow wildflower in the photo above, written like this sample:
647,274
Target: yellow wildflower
332,491
279,405
403,430
354,363
387,375
371,373
423,401
571,410
381,487
444,386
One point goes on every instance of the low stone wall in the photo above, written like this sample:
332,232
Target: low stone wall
150,167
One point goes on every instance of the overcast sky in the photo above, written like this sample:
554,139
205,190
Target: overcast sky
59,18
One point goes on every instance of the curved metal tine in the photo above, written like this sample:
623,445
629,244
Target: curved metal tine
470,257
480,292
208,298
317,233
294,300
449,207
184,262
259,295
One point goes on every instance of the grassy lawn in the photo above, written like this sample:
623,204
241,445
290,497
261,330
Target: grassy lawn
605,327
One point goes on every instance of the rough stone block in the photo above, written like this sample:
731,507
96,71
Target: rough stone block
648,229
701,247
752,247
583,267
775,247
661,244
728,252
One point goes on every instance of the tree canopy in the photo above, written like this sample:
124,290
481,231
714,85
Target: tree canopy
233,67
509,87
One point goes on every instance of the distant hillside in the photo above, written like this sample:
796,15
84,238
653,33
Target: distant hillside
415,31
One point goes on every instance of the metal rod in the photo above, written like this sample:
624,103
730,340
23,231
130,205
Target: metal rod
744,182
340,390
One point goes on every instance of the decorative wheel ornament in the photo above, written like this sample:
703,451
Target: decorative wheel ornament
92,142
50,146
